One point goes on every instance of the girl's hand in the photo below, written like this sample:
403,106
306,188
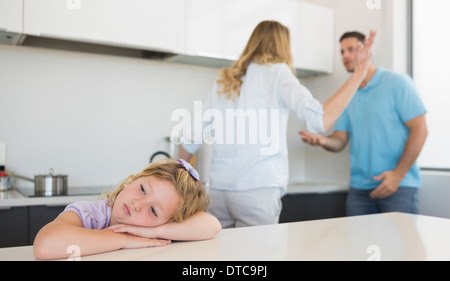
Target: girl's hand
200,226
145,232
137,237
134,242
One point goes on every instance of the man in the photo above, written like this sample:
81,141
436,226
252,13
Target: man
386,127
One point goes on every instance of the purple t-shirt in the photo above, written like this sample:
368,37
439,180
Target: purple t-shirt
94,214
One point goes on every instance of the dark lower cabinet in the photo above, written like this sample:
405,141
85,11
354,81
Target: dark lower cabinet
19,225
13,226
40,216
312,206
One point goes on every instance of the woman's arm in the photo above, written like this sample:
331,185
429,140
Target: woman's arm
55,238
183,154
200,226
334,106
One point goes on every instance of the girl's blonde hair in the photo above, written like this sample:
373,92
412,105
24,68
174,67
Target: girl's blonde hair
193,194
269,43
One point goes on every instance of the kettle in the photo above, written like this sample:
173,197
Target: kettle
172,153
158,154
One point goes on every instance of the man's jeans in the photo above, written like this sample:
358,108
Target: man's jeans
404,200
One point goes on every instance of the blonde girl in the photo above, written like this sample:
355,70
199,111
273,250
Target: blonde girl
247,180
165,201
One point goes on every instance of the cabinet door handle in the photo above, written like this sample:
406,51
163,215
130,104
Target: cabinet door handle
5,208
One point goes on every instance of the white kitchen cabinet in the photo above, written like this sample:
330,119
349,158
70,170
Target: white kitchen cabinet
11,15
221,28
142,24
312,28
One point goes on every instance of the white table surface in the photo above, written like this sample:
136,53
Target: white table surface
389,236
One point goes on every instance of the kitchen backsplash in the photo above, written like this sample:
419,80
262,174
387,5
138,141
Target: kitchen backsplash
96,118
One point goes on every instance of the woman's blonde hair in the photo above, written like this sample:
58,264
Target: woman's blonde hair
269,43
193,194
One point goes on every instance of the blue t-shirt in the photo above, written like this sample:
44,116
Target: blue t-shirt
375,121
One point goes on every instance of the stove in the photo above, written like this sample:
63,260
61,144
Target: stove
71,191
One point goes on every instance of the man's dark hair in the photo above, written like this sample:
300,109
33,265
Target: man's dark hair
353,34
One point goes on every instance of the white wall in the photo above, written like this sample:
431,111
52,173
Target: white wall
96,118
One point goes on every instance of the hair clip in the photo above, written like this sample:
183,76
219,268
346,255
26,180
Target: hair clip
190,169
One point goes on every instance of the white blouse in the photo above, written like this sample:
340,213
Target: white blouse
249,133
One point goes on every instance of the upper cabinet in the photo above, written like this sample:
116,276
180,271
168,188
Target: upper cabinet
312,36
144,24
220,29
11,15
206,32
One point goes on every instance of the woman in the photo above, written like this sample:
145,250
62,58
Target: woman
249,170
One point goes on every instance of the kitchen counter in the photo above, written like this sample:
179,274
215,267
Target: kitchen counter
14,198
316,187
389,236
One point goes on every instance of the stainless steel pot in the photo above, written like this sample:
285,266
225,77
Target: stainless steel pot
49,184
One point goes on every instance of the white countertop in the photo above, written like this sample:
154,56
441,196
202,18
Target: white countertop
316,187
14,198
389,236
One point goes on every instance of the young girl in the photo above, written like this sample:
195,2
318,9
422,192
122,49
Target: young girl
165,201
247,184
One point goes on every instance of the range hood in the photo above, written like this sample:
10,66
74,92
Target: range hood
11,38
215,62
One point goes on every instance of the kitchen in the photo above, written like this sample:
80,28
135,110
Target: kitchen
96,111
